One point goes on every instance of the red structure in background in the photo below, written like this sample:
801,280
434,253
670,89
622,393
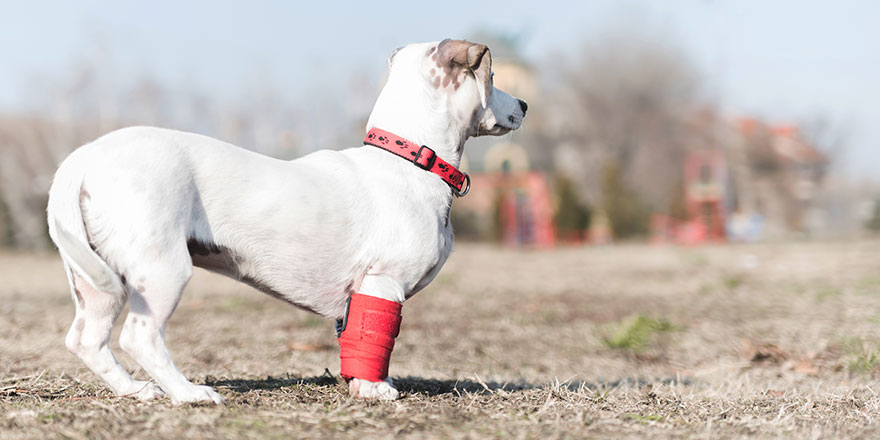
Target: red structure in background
705,178
518,203
525,211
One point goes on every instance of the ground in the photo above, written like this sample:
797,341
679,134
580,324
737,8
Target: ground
776,340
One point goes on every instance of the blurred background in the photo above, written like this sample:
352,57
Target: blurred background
668,122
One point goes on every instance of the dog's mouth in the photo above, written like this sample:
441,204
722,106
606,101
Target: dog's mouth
495,130
501,129
501,126
498,129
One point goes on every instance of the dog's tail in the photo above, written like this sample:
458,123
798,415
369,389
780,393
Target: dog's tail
67,229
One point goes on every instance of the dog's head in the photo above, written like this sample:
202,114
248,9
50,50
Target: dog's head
453,78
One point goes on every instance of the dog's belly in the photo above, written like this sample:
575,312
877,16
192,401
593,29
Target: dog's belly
327,297
224,263
215,259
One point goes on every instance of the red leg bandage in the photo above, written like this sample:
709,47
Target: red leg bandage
367,337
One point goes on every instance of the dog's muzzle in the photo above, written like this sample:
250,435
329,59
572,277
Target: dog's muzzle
366,337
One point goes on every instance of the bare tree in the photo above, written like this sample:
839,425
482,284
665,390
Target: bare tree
27,161
622,106
829,135
74,109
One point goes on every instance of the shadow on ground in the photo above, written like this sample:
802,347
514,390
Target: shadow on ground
437,387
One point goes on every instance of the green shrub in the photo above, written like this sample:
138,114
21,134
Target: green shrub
873,224
628,213
572,216
7,238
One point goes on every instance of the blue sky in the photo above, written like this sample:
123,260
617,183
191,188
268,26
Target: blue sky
783,60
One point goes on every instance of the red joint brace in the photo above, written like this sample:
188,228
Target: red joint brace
368,337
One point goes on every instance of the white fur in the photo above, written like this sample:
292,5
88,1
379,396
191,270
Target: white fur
311,231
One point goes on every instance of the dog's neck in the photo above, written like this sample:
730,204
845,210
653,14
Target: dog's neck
421,124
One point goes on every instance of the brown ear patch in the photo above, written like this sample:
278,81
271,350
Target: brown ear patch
455,59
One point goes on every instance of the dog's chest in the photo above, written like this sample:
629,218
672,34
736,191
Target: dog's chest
442,251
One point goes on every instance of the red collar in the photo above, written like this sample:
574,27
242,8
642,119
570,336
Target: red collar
422,157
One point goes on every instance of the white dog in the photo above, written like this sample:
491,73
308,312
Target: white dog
134,211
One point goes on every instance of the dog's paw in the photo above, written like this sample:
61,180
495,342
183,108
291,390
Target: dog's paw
196,393
144,390
365,389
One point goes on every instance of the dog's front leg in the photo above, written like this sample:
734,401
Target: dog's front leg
366,337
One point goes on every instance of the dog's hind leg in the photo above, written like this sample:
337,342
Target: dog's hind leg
156,290
90,333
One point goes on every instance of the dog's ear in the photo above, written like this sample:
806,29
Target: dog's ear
453,53
471,56
480,63
391,58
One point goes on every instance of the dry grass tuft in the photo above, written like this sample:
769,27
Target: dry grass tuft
635,332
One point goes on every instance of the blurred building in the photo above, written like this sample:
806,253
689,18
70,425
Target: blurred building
776,174
747,180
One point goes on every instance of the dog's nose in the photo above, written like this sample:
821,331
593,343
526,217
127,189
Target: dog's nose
523,106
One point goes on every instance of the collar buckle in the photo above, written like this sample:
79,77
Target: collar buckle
427,160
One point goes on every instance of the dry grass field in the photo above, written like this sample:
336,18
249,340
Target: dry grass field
626,341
